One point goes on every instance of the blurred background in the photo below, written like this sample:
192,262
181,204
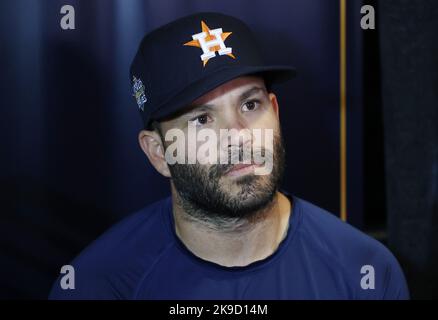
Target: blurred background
70,164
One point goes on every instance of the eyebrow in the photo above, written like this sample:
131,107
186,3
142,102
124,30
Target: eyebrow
197,109
206,107
248,93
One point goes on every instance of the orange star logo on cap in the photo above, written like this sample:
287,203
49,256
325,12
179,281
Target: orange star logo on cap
211,41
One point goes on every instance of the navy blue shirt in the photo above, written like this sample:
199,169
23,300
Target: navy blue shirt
321,257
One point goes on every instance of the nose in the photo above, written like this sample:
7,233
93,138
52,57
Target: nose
233,120
235,133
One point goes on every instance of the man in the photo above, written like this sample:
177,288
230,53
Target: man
226,232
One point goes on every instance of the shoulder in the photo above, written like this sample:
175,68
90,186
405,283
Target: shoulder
111,266
330,234
364,261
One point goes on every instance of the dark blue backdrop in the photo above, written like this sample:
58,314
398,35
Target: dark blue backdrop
70,162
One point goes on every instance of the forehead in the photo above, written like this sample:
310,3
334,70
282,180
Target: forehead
231,87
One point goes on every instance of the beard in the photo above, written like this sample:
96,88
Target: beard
205,196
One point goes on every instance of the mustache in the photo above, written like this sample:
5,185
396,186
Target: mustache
257,157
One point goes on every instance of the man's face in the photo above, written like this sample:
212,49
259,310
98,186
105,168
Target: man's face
220,191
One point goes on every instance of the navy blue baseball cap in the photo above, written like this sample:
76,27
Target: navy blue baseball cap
183,60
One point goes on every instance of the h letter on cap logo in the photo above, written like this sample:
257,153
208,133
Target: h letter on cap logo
211,41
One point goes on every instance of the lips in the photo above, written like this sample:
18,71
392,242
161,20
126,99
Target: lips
238,169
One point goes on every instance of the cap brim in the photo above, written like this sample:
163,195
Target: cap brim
272,74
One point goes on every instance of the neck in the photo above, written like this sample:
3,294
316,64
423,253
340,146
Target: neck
234,242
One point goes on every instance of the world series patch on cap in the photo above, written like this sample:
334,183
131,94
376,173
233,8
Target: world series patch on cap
183,60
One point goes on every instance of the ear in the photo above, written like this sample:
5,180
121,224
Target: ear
274,103
151,144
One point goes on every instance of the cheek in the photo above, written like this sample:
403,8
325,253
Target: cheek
203,148
266,119
192,145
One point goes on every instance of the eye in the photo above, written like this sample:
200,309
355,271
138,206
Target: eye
250,105
200,120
